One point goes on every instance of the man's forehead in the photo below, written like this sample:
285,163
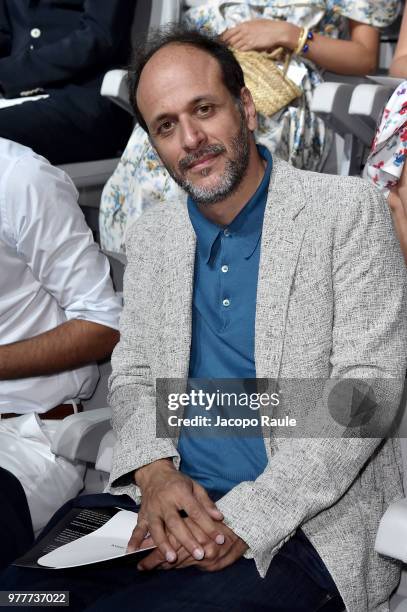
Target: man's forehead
177,69
176,57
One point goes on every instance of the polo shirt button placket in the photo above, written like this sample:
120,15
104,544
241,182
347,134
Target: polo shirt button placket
226,301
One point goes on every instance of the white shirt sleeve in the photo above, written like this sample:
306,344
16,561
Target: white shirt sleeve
51,235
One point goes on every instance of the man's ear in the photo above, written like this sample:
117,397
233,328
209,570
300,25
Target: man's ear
249,108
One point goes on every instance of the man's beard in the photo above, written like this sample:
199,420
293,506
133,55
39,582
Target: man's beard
229,181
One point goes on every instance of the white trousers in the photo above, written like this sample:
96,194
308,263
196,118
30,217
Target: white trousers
48,481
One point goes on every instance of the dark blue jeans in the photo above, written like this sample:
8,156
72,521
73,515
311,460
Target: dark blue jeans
16,532
297,581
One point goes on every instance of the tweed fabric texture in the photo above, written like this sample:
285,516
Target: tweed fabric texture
330,303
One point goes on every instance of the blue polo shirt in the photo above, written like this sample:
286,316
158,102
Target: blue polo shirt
223,328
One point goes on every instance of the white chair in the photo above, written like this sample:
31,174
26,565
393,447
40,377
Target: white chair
115,88
78,440
368,101
350,107
331,102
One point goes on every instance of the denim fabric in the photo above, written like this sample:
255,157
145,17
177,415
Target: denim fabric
297,580
16,532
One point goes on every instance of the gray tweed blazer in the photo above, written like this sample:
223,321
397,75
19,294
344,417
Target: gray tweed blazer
330,302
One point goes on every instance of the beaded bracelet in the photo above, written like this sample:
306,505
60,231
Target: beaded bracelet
310,37
302,45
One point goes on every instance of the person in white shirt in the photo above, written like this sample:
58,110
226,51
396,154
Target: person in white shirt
59,315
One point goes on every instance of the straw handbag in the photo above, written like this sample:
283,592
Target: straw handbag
271,89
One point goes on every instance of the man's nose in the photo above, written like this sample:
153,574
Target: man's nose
192,134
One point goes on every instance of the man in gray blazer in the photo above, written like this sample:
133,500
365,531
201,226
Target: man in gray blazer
261,271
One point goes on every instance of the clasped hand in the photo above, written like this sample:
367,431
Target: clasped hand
199,539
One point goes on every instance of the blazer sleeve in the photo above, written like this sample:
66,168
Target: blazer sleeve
308,475
132,394
90,49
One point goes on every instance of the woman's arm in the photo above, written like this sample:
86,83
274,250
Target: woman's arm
398,67
357,56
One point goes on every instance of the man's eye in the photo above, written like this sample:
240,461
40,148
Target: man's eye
165,127
205,109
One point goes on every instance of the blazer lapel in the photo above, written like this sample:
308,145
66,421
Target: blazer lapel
178,293
281,242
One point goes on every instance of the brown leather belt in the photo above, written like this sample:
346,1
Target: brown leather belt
58,413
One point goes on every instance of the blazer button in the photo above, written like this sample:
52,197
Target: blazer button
35,33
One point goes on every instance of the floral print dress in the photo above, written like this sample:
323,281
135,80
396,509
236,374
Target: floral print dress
294,133
389,149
